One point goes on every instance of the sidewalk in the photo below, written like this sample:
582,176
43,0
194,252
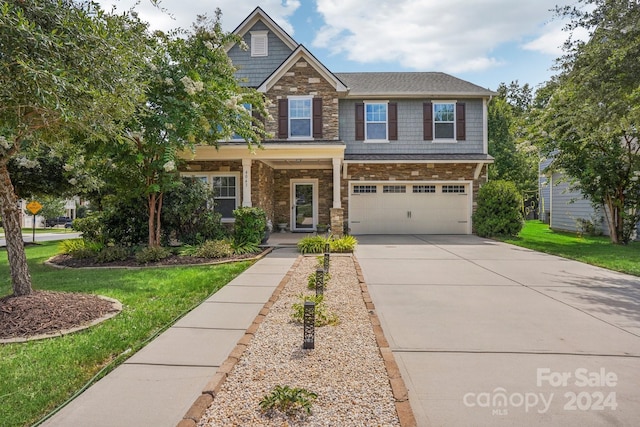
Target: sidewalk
158,385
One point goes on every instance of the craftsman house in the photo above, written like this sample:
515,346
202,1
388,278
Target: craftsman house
374,153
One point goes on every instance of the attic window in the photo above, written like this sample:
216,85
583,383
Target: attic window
259,43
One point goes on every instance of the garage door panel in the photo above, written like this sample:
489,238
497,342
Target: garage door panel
409,213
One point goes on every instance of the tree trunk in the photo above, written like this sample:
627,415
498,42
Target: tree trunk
611,214
155,209
20,277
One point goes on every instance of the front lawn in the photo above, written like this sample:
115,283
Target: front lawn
38,376
592,250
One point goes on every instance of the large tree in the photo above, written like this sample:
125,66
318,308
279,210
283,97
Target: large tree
193,97
66,68
592,120
508,116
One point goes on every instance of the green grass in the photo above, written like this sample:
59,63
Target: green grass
38,376
56,230
589,249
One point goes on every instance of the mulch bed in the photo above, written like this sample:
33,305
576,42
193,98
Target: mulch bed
46,312
68,261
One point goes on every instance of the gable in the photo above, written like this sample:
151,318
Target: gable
253,70
302,55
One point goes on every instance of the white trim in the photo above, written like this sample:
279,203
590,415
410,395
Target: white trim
485,126
259,15
289,118
437,140
371,140
337,199
246,183
391,161
292,184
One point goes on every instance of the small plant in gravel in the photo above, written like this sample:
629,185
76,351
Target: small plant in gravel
311,280
289,401
323,316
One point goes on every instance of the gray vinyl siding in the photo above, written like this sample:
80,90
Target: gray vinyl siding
567,206
410,131
256,69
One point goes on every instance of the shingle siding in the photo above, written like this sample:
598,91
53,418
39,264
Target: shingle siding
256,69
410,130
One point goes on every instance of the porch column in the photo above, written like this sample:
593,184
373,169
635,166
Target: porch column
337,200
246,182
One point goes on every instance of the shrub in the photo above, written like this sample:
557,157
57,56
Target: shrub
250,226
499,211
288,400
80,248
344,244
214,249
323,316
112,253
312,244
315,244
91,227
188,216
152,254
242,248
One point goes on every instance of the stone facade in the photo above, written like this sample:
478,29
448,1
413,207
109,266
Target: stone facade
303,79
262,188
282,192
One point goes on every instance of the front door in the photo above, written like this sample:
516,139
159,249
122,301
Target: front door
304,206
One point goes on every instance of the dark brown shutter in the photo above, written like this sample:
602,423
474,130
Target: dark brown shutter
393,121
317,117
359,121
283,118
427,119
461,130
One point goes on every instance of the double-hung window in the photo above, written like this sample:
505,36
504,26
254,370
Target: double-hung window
300,114
225,195
444,120
235,136
375,116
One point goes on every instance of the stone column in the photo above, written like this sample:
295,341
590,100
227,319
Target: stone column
246,182
337,200
337,222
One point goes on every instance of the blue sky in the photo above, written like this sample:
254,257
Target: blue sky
483,41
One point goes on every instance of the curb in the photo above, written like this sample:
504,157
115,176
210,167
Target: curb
398,387
199,407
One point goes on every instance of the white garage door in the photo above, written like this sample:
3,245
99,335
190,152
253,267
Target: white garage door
409,208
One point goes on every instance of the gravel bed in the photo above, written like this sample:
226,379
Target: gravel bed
345,369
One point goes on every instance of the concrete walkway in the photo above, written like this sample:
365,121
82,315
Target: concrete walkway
159,384
491,334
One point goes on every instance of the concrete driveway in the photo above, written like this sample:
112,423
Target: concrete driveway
487,333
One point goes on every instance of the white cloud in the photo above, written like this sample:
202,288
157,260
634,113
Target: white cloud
550,42
452,36
183,13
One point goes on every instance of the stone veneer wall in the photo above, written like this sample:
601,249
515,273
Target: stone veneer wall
282,193
303,79
263,188
411,172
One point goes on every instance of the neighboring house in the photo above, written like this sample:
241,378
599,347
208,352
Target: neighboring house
377,153
566,209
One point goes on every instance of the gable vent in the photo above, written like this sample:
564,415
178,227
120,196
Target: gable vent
259,43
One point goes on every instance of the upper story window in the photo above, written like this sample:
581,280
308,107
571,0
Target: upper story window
375,116
376,121
300,117
259,43
444,120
